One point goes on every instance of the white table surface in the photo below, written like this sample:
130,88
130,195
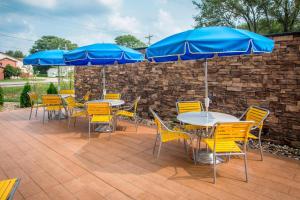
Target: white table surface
205,118
112,102
67,95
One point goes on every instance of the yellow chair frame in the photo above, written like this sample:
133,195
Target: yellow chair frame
224,141
114,96
258,115
51,103
8,188
164,134
130,112
100,113
33,97
74,109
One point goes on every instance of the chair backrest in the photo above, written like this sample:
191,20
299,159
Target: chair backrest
188,106
99,108
257,114
51,99
115,96
136,104
70,101
33,97
158,122
67,92
234,131
86,97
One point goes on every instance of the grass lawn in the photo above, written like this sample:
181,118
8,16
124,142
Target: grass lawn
21,80
12,94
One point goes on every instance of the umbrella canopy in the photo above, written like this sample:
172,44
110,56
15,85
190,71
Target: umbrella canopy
46,58
102,54
207,42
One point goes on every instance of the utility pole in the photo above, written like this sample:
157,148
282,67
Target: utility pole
149,38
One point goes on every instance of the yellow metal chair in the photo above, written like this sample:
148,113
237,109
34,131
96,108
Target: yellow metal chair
75,109
52,103
8,188
224,141
115,96
86,97
33,97
164,134
130,112
100,113
189,106
70,92
258,115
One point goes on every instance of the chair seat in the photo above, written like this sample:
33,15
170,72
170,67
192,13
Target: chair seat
125,113
53,108
6,188
167,136
251,136
101,118
223,146
79,113
80,105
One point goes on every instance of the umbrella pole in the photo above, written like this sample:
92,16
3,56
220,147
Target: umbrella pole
58,72
206,100
103,81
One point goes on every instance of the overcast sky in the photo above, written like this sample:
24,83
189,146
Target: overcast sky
90,21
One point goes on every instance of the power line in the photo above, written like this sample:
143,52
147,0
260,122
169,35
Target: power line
16,37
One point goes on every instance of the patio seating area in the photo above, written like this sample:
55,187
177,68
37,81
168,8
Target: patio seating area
57,162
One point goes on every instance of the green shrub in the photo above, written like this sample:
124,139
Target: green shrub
52,89
24,98
1,96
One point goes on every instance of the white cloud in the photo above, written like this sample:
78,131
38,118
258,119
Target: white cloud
112,4
123,23
41,4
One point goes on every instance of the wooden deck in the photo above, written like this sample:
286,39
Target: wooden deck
55,162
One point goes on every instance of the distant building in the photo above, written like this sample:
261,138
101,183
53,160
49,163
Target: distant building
8,60
52,72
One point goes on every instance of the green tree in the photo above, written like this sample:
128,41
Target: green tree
1,96
24,98
48,43
52,89
129,41
15,54
10,71
263,16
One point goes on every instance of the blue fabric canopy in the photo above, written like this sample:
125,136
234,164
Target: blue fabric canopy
206,43
102,54
46,58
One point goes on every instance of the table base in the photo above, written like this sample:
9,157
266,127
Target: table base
205,157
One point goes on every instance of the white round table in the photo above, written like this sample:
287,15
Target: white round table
207,119
66,95
113,102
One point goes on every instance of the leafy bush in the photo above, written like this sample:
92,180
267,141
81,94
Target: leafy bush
10,71
52,89
24,98
1,96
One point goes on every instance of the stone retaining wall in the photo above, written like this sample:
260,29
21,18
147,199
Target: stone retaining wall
269,80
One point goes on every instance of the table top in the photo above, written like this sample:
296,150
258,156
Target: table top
205,118
67,95
113,102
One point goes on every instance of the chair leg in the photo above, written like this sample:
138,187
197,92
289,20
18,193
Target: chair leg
260,146
75,120
185,146
136,124
158,152
44,116
89,130
36,111
215,170
69,122
155,144
30,112
246,169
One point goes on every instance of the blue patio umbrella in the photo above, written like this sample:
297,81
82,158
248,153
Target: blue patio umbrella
206,43
47,58
102,54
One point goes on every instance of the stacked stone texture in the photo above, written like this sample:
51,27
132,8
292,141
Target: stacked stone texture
270,80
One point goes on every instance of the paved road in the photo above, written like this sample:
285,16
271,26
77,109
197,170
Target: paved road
22,83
